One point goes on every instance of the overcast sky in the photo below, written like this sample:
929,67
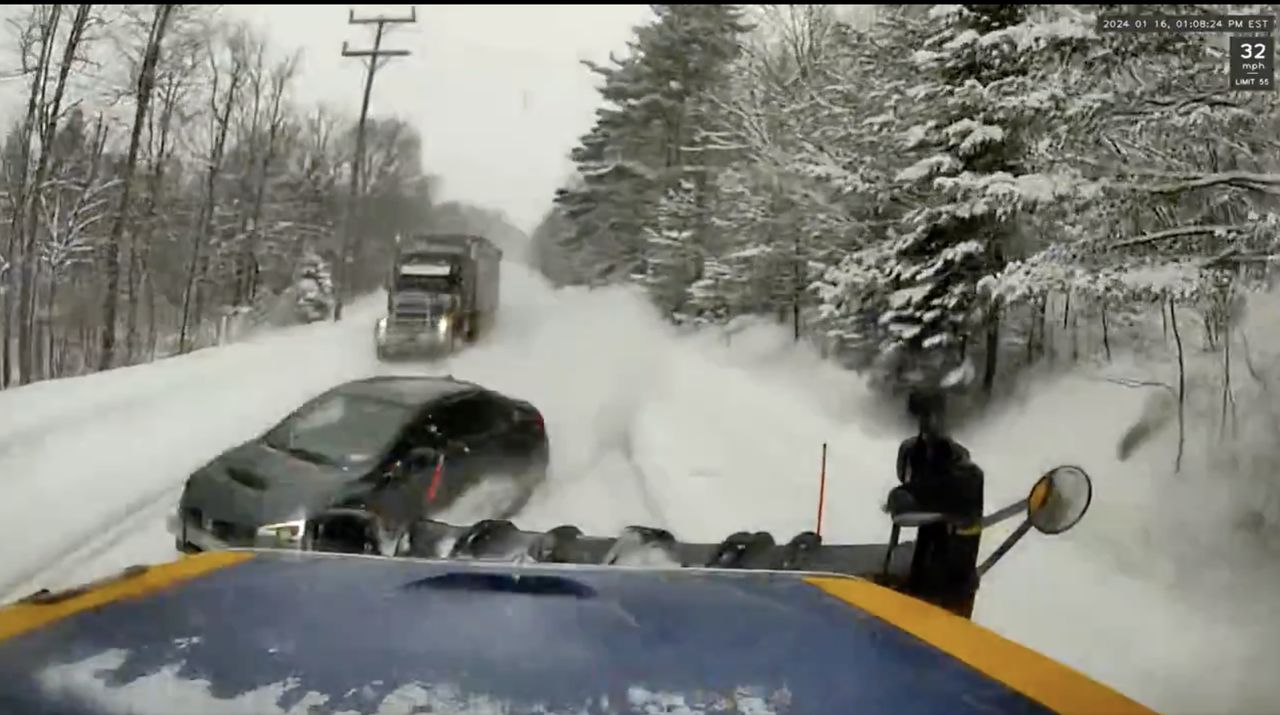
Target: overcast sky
496,90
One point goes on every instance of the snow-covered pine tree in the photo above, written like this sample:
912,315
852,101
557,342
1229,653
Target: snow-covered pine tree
608,203
546,248
732,278
852,154
643,145
1178,174
969,124
958,231
786,208
672,255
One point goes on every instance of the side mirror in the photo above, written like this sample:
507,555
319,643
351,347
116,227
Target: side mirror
1059,500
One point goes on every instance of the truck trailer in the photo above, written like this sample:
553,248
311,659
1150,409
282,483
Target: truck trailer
442,293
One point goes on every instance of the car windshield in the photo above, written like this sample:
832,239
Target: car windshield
429,284
340,429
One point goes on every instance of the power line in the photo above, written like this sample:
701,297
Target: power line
372,57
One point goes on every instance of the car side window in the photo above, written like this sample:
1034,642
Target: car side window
498,414
423,433
470,417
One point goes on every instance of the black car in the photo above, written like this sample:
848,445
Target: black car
400,448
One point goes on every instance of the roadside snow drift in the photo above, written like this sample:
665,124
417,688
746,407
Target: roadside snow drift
694,433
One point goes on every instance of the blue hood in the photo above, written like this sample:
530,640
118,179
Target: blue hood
265,632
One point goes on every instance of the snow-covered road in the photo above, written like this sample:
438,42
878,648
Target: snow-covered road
686,432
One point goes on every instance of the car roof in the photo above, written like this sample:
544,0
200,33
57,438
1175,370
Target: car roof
408,390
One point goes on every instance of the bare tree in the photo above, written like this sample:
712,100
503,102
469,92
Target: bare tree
800,35
246,150
66,225
142,99
51,111
177,72
321,157
269,121
36,41
221,103
221,189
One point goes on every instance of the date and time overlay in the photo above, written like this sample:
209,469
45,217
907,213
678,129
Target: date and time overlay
1252,42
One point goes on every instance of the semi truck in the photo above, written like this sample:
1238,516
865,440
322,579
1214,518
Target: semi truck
442,293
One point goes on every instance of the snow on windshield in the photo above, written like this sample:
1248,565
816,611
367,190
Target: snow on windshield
426,269
340,429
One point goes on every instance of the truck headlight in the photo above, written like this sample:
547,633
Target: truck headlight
287,532
380,330
442,327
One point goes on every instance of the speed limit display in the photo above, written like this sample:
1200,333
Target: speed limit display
1252,62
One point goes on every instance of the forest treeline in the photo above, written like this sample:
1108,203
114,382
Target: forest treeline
925,191
161,175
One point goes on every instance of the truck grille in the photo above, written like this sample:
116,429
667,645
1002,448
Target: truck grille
412,322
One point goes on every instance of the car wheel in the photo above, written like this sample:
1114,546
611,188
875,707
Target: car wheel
180,539
392,543
404,543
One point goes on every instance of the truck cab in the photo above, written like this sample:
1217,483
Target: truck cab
441,290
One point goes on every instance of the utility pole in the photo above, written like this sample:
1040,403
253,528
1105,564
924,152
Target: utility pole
357,164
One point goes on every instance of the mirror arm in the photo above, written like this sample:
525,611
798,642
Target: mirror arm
1003,549
1000,515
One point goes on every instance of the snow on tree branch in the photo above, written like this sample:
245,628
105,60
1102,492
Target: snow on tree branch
1264,183
1218,231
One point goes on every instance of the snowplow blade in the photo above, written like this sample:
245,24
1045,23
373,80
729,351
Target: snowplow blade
496,540
309,632
356,531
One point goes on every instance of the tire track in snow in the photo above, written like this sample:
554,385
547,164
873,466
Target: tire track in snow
617,435
32,434
642,481
92,544
593,494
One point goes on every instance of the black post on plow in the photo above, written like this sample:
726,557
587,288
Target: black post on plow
894,534
822,489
